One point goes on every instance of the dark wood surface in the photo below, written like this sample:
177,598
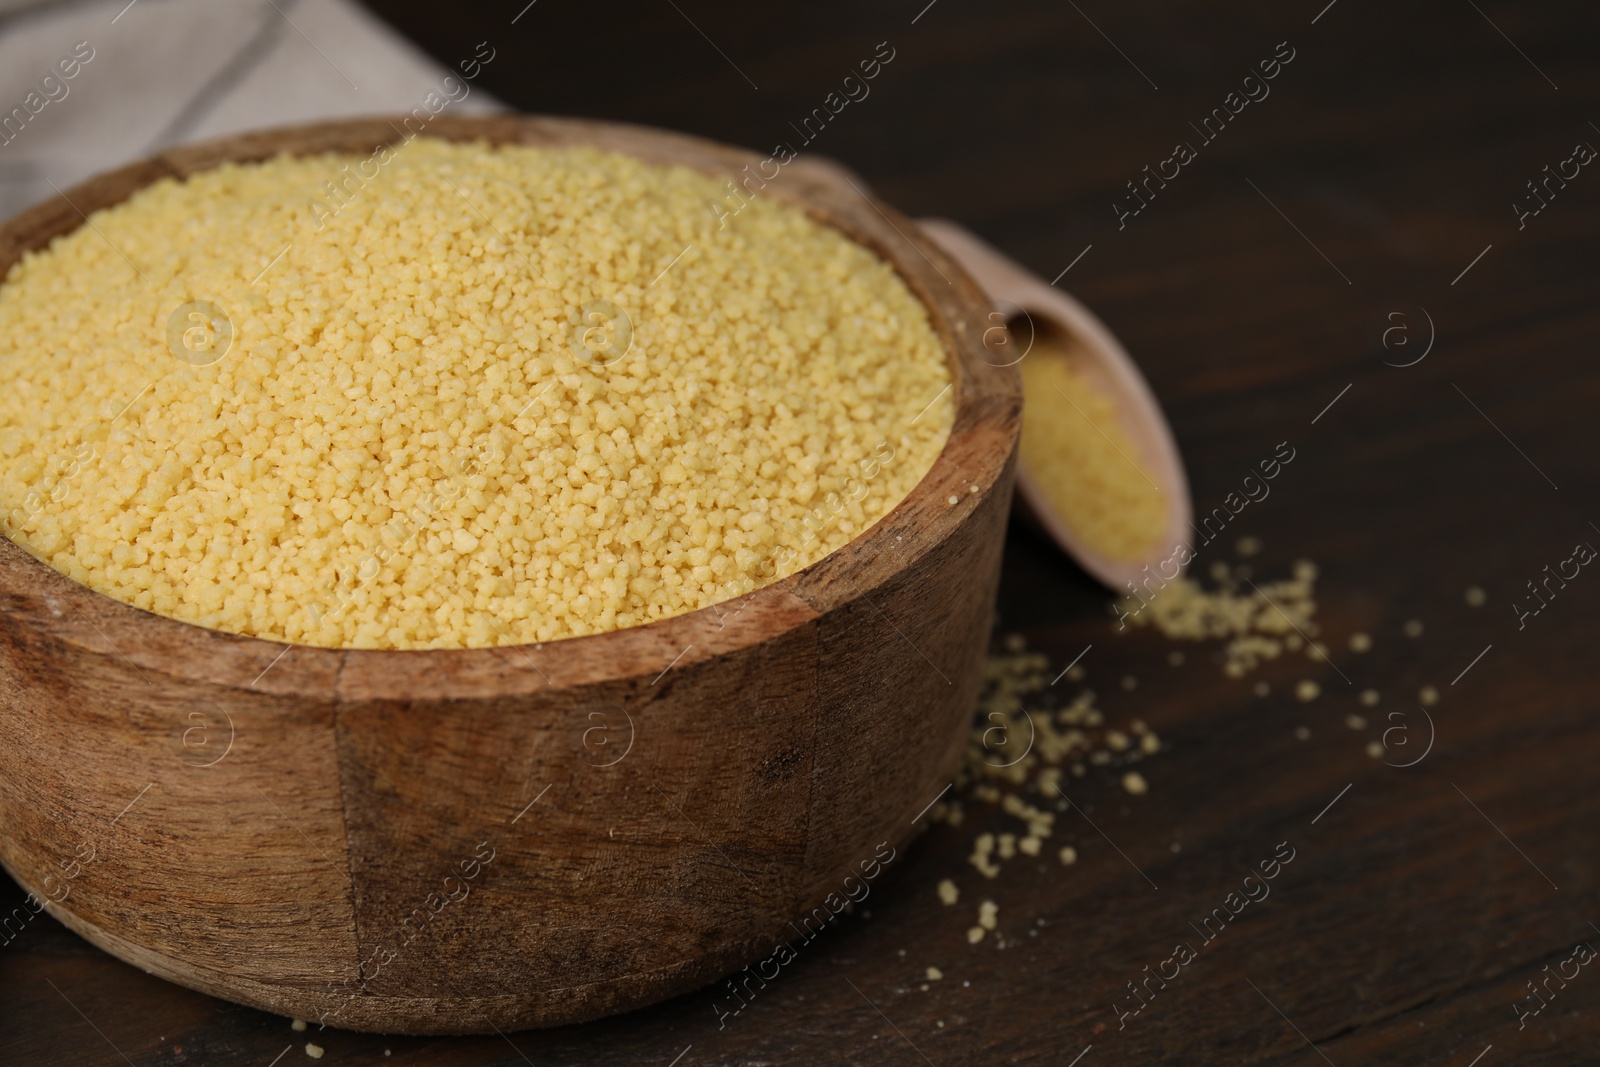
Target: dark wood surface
1420,904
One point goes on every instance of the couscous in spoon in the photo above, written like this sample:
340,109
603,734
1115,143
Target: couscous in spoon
1100,471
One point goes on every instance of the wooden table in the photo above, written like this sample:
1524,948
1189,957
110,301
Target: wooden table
1373,188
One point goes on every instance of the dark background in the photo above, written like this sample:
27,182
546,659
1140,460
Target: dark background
1420,905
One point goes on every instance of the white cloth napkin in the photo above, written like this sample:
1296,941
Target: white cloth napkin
164,72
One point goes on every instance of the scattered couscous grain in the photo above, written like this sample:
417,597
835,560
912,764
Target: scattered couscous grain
1306,690
974,934
1360,642
1355,722
988,913
1079,457
470,406
981,849
1248,546
1428,696
1374,749
314,1051
1257,622
1412,628
1476,597
1368,698
1025,740
298,1025
1134,783
934,974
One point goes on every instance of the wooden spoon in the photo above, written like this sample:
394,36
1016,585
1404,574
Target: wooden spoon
1036,309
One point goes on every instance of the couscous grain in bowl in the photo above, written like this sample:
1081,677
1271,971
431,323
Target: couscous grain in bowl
494,395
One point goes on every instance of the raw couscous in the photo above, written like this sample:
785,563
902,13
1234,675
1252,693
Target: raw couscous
1081,459
491,395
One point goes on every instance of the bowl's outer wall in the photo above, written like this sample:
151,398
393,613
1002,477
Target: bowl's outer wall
443,842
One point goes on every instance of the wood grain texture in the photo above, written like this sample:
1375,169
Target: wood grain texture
438,841
1407,926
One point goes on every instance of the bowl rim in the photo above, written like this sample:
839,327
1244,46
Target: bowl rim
970,467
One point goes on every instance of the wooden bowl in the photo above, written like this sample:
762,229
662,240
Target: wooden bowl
457,841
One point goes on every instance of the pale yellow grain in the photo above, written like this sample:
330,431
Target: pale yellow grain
1081,459
405,447
1257,622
